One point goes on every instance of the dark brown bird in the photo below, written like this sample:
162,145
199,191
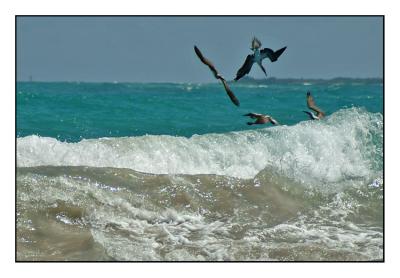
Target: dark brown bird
261,119
217,75
311,105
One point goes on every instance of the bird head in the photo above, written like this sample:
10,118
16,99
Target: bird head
255,44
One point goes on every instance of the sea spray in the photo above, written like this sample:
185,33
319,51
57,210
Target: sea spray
345,145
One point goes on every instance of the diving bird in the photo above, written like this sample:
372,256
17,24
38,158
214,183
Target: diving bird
261,119
217,75
311,105
257,57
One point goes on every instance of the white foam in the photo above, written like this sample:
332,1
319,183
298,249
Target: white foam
334,149
129,227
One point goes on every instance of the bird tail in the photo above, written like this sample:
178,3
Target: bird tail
263,69
249,123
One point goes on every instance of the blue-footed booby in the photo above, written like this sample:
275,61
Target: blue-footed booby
257,57
261,119
217,75
311,105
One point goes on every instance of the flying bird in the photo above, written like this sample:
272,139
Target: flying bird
311,105
257,57
217,75
261,119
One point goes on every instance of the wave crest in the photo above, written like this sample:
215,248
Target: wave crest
347,144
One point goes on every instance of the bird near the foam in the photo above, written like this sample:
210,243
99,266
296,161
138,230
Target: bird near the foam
311,105
261,119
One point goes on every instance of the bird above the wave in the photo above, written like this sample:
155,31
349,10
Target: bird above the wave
217,75
311,105
257,57
261,119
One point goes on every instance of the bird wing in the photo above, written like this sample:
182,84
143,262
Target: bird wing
253,115
309,114
206,61
266,52
272,55
230,93
216,74
312,106
245,69
273,121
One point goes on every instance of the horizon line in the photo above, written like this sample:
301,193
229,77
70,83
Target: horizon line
248,79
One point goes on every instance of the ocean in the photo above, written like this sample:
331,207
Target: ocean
172,172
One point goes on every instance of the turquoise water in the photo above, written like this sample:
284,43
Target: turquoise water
172,172
73,111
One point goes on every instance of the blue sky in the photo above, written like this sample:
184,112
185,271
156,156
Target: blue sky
160,49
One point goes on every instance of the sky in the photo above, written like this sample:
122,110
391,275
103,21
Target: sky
160,49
